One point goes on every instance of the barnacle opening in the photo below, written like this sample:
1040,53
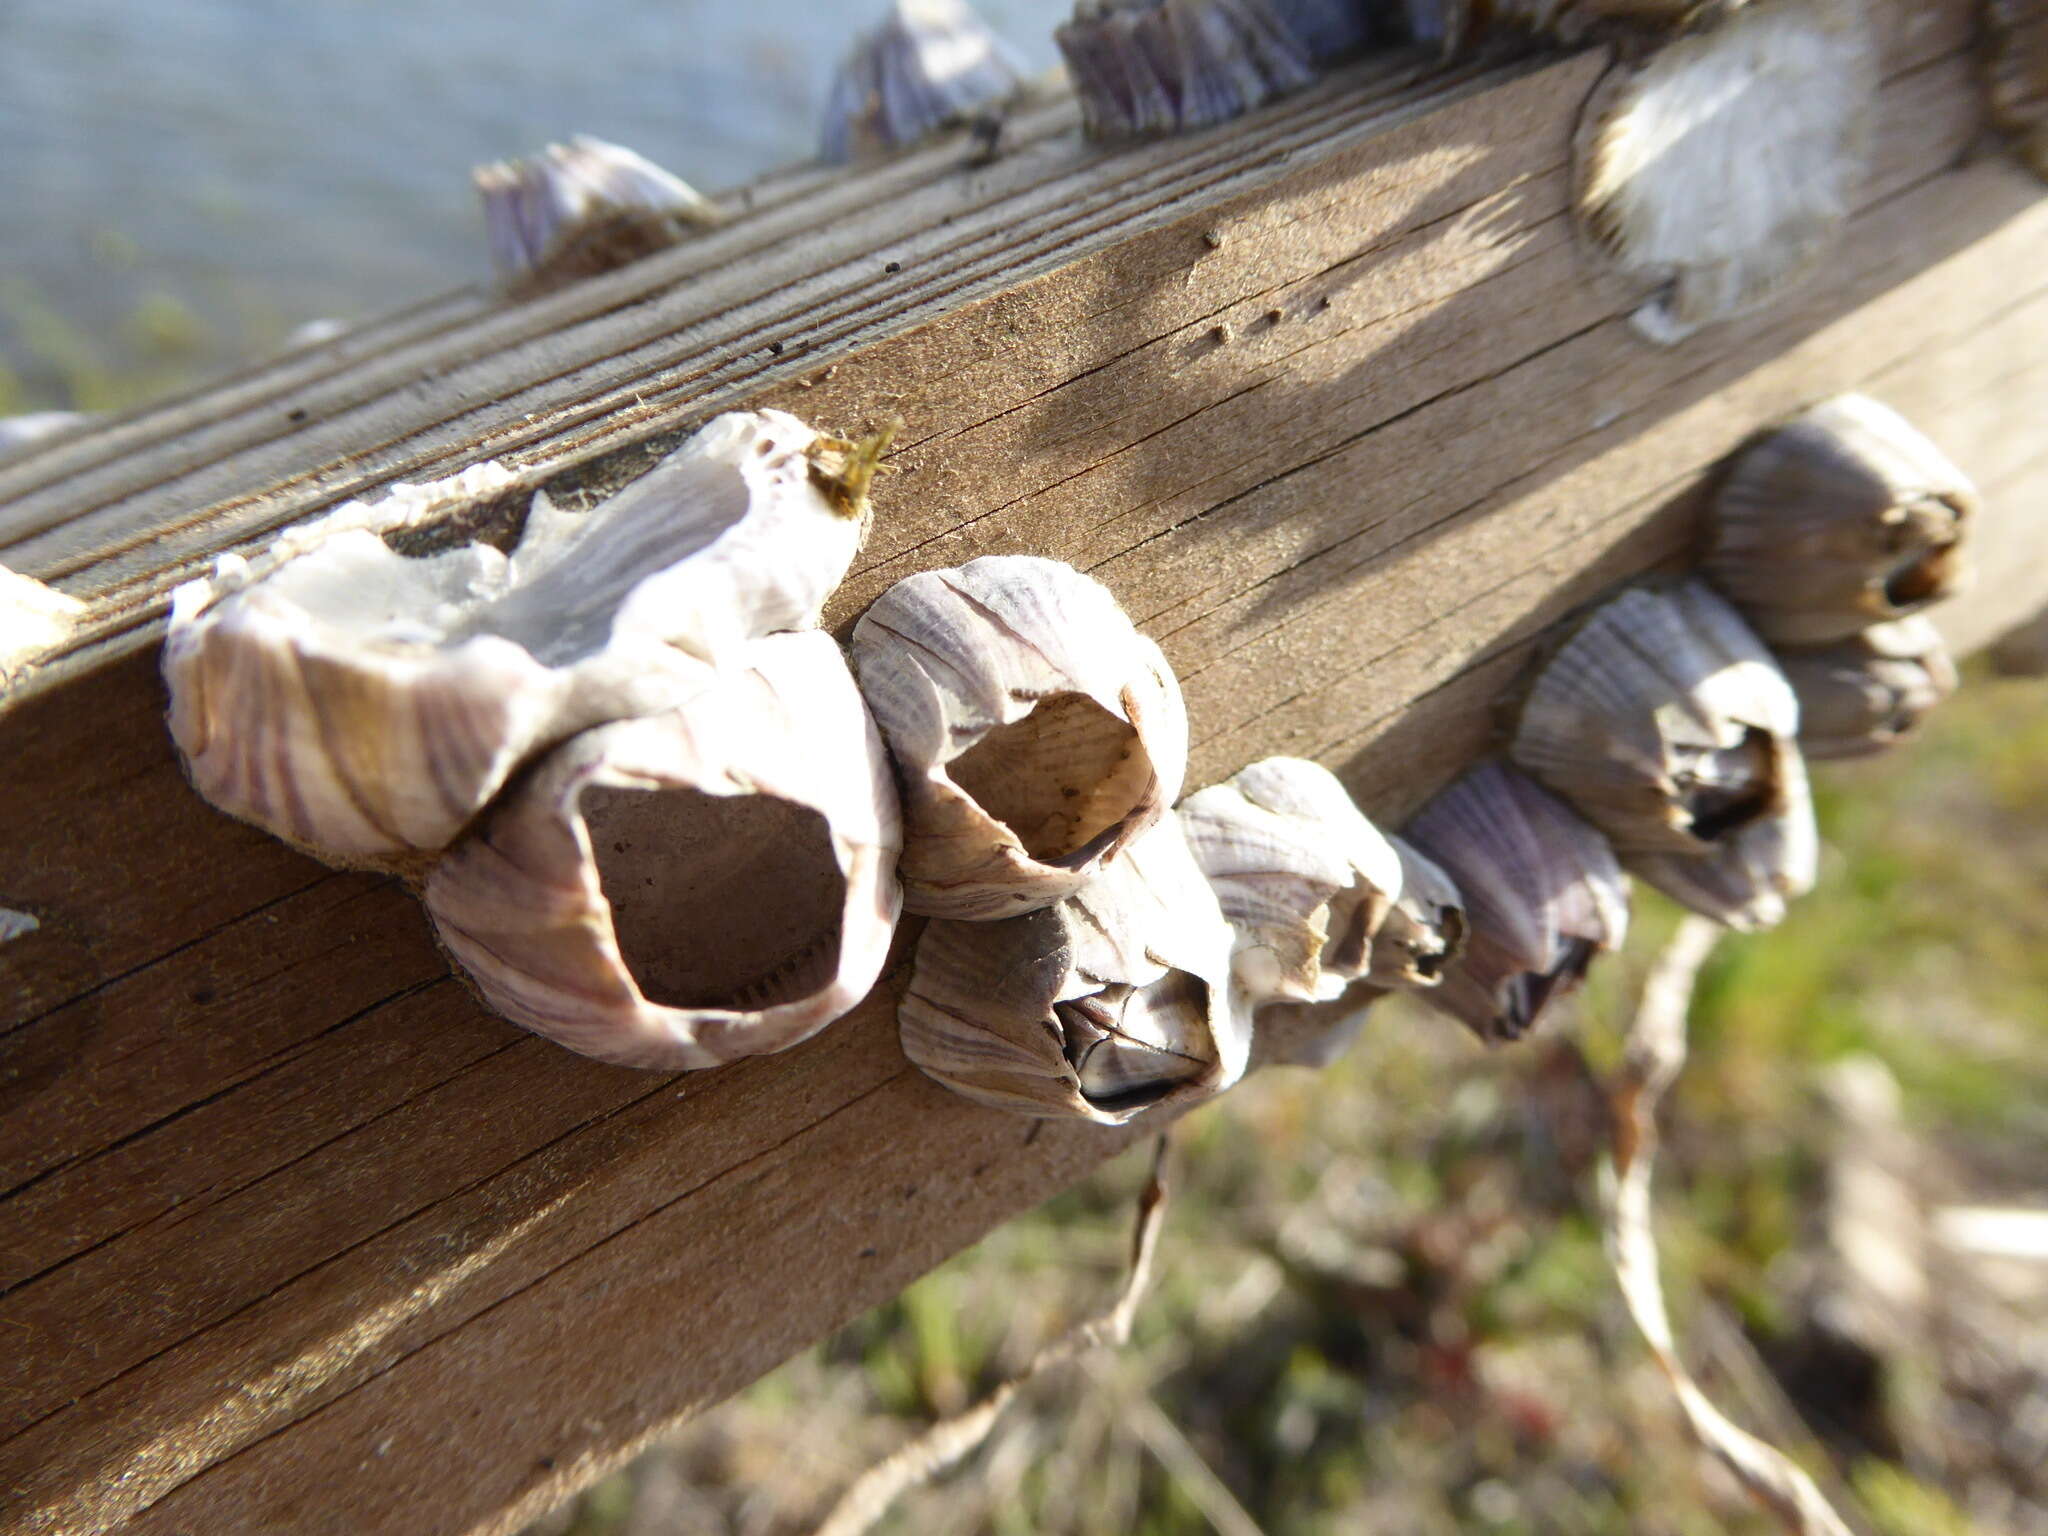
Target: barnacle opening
1130,1046
1524,995
1354,916
1929,574
1065,777
1724,791
718,901
1416,949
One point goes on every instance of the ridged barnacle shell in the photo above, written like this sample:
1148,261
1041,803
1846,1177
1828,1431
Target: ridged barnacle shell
681,889
365,704
1114,1001
932,64
1842,518
1163,66
1424,931
1035,731
580,208
1663,720
1543,896
1722,166
34,620
2016,76
1750,879
1871,691
1302,877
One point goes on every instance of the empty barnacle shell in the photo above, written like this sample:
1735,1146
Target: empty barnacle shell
1543,896
365,704
2016,76
1722,166
1302,877
1750,878
34,620
1663,720
931,65
1114,1001
681,889
1423,933
1842,518
580,208
1868,692
1035,731
1162,66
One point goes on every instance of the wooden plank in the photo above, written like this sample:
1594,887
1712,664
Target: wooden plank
292,1228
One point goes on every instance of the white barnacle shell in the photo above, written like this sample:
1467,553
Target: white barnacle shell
1114,1001
581,208
1543,896
364,704
1163,66
681,889
34,620
1035,731
1423,933
33,426
1869,692
2016,76
1844,517
932,64
1722,166
1663,720
1302,877
1751,877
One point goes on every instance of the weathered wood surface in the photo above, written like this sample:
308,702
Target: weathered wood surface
295,1238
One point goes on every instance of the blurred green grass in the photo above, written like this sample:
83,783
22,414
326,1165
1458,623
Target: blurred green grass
1383,1303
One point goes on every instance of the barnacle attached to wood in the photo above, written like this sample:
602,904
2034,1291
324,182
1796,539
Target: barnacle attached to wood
33,426
1844,517
34,620
2016,76
1035,732
1302,877
1163,66
1111,1002
1455,25
1542,892
1664,720
1869,692
581,208
1752,877
1722,166
1424,931
706,883
365,704
931,65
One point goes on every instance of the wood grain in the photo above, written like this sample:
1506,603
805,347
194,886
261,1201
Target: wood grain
292,1230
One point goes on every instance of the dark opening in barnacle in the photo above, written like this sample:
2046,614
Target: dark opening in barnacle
718,901
1063,777
1525,995
1724,791
1928,575
1132,1046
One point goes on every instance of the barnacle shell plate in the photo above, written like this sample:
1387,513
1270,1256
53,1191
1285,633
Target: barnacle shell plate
365,705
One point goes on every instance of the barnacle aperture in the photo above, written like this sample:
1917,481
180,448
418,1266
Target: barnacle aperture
1035,732
713,881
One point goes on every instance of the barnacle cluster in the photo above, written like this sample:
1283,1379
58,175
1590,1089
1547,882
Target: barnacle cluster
655,813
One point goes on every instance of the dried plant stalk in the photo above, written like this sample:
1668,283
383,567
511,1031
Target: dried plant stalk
1655,1054
951,1441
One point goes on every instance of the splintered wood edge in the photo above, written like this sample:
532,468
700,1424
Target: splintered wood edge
915,1171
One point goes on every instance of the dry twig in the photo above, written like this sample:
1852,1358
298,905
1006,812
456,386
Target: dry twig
949,1441
1655,1053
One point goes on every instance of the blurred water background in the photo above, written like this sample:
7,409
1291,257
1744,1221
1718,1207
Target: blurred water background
187,180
